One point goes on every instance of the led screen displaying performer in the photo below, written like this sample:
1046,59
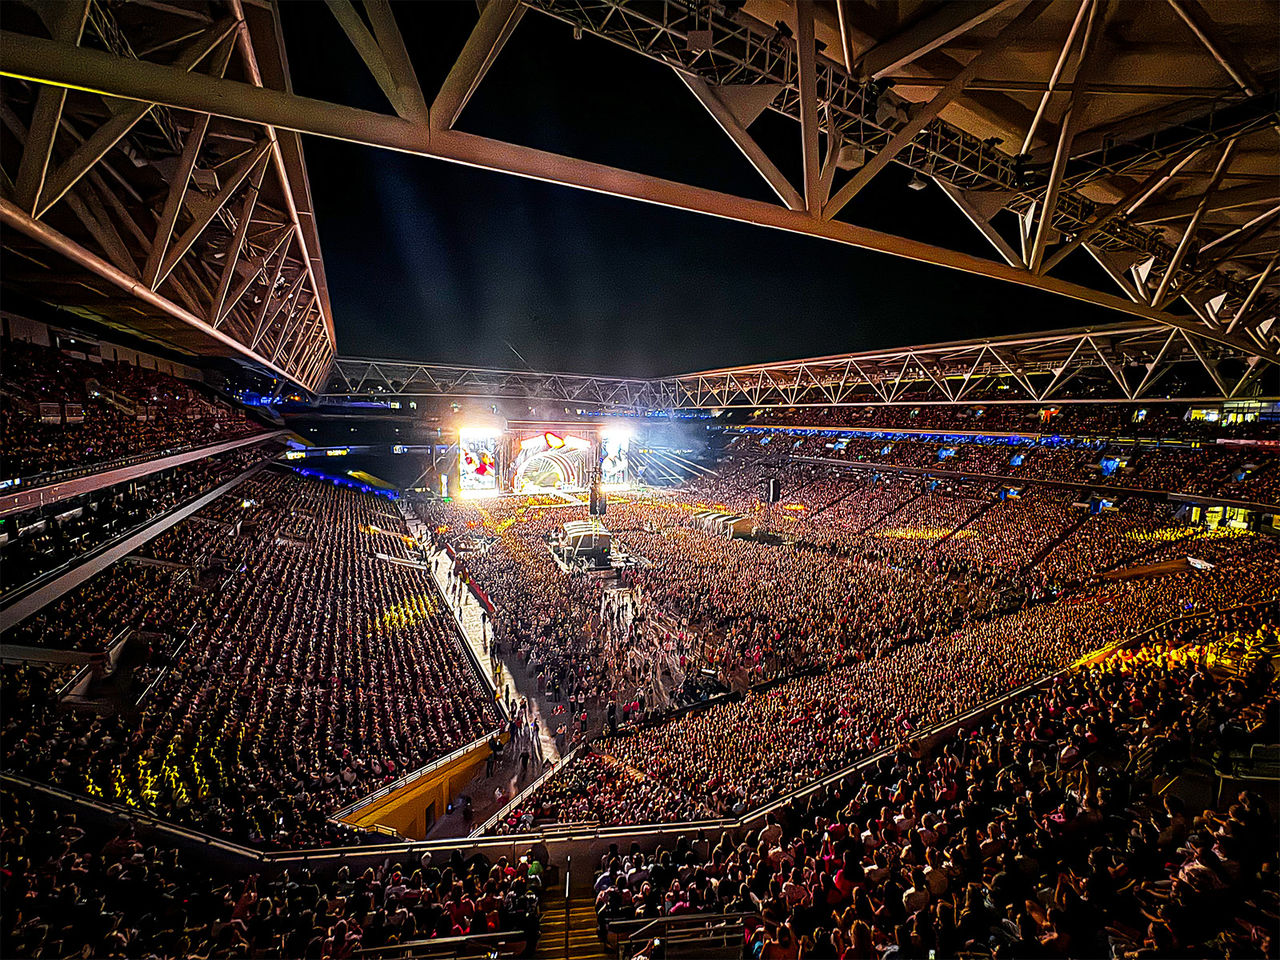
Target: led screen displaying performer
613,458
477,459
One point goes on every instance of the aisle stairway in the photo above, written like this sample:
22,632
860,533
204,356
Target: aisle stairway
583,942
964,523
1058,540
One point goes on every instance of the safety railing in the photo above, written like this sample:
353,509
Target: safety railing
568,900
524,794
486,680
413,776
101,466
49,576
474,946
114,812
703,934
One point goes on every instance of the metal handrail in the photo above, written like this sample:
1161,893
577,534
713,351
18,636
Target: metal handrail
137,817
524,794
13,596
434,944
413,775
100,466
568,913
728,924
456,616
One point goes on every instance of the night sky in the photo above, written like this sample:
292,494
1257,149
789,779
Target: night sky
429,260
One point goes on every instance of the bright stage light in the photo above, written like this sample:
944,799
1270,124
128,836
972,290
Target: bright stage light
484,493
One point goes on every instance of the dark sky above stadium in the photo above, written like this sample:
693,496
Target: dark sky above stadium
432,261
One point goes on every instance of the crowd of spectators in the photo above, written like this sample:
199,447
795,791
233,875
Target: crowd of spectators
880,666
36,542
1032,833
1104,420
105,410
309,661
71,889
736,755
315,673
1233,472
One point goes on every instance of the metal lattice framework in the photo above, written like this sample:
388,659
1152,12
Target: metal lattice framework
1127,363
1142,133
355,377
1116,363
190,228
1095,149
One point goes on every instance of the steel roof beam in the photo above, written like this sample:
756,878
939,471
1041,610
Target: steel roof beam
806,54
1125,206
1189,231
924,114
45,61
498,20
1202,26
456,147
983,225
33,168
1232,199
1086,66
308,256
941,23
743,140
15,218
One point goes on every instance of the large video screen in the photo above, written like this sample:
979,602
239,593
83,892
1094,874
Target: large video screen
552,461
477,459
614,467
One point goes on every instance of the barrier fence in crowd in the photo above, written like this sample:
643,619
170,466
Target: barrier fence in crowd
486,680
582,843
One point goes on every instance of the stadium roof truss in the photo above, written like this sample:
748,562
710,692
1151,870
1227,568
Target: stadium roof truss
1135,363
1142,134
1130,363
187,227
382,379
